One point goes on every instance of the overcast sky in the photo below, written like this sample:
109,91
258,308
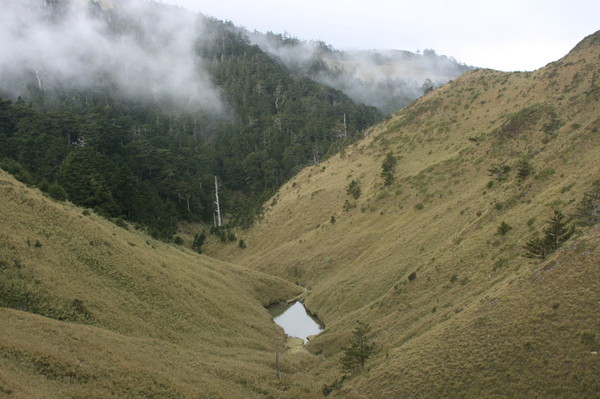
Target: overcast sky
507,35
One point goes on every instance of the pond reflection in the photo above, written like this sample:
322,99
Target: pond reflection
295,320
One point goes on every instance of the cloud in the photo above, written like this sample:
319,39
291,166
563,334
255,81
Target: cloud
143,50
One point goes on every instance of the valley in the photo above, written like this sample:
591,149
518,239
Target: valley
473,295
461,233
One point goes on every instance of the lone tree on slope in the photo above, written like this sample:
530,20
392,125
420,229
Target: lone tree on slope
360,348
556,233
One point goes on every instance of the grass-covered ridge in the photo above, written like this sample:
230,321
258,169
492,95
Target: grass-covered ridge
453,301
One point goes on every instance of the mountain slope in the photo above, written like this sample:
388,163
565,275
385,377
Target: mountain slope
451,300
90,309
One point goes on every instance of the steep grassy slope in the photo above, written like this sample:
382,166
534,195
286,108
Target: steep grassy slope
479,319
88,309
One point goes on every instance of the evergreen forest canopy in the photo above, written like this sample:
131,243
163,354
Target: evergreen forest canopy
121,112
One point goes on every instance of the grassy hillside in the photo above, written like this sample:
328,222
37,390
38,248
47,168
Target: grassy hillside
477,318
424,254
90,309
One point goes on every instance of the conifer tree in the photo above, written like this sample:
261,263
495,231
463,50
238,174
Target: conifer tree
503,228
555,234
387,168
360,348
557,231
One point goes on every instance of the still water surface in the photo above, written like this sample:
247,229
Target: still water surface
295,321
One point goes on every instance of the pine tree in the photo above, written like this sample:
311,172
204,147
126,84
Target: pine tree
555,234
557,231
360,348
499,172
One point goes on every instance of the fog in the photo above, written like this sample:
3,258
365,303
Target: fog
386,79
142,50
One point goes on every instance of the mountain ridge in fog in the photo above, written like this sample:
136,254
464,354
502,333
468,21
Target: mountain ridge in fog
76,43
143,50
386,79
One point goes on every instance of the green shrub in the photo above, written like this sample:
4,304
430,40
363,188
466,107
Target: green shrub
199,240
348,205
56,191
499,172
545,173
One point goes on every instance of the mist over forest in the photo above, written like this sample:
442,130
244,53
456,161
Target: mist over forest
171,99
386,79
133,107
147,50
144,51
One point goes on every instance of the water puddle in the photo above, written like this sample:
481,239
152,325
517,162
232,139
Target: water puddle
295,320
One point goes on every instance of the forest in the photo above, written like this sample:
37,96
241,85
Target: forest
149,160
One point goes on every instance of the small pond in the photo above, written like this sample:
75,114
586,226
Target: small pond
295,320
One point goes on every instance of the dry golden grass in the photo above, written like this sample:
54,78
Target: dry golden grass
439,219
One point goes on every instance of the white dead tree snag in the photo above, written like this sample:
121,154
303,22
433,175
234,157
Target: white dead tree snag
218,219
